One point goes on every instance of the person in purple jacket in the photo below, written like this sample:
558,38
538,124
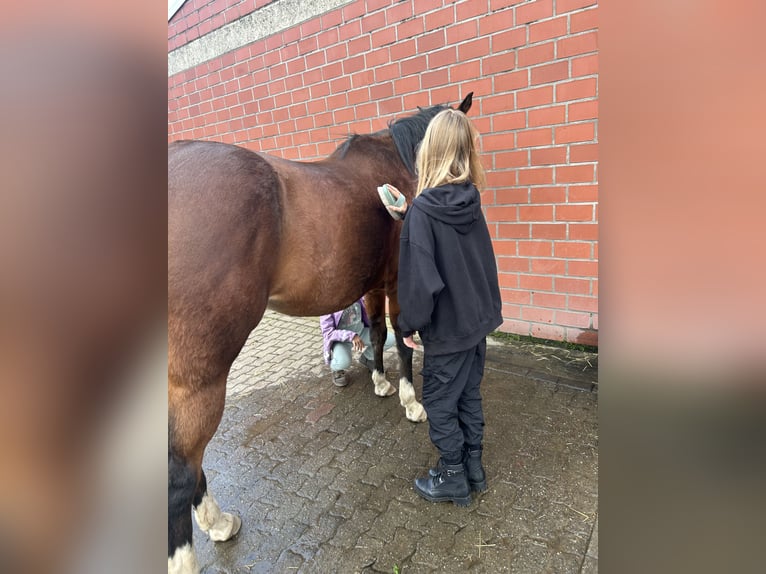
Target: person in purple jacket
344,331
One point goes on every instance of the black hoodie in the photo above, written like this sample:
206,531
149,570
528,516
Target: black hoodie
448,289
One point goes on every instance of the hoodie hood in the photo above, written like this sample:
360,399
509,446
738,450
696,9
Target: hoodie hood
456,204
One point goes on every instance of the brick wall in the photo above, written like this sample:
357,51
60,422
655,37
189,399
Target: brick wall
533,68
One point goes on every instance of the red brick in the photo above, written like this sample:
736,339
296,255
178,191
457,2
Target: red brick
530,138
567,319
582,21
583,111
549,266
494,104
574,173
399,12
537,315
409,28
437,78
430,41
583,268
351,65
384,37
548,332
576,90
575,45
414,65
585,66
552,300
576,303
443,58
533,11
508,40
516,296
388,72
500,63
473,49
547,30
583,153
507,281
572,249
563,6
508,230
462,32
514,196
534,97
497,22
583,193
357,96
502,214
350,30
374,21
469,9
497,142
380,91
353,10
441,18
510,81
549,231
535,212
508,121
583,231
466,71
535,54
536,282
506,248
575,133
406,86
546,116
569,285
336,52
548,194
550,72
574,212
511,311
402,50
511,159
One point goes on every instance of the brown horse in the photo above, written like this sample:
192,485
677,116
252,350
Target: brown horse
247,232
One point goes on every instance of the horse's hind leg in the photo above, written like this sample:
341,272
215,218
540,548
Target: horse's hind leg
375,303
193,416
219,525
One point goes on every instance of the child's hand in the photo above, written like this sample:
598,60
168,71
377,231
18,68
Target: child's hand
396,193
357,343
411,344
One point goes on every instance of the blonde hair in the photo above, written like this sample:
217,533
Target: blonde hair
448,152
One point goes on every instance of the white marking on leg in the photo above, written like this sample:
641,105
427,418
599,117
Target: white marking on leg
184,561
219,525
414,410
382,387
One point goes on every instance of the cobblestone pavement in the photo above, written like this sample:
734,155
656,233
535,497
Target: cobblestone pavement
322,476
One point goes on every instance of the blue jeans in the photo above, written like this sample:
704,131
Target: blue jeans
342,351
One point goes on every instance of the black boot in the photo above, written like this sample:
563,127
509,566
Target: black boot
475,471
450,484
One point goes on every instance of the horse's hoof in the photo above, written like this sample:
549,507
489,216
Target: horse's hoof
226,529
382,387
416,413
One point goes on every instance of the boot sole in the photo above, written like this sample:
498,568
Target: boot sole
465,501
478,486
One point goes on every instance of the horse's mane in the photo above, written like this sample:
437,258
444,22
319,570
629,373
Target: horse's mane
407,134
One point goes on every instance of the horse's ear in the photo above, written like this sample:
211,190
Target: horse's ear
465,105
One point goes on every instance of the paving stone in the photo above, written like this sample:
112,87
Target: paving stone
322,476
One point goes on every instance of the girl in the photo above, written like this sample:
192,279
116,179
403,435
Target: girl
343,331
449,293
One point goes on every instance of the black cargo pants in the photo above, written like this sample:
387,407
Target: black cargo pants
452,400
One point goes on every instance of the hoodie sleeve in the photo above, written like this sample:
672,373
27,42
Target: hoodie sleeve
419,280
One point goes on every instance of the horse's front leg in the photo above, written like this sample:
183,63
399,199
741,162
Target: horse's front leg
375,303
413,409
